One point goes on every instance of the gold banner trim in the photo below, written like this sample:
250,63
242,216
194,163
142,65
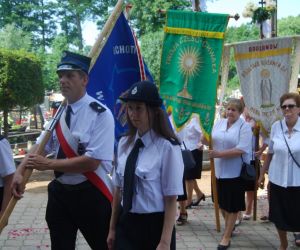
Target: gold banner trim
192,32
261,54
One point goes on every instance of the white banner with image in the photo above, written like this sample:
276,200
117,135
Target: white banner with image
264,69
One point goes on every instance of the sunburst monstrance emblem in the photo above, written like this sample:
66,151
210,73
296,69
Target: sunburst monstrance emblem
189,64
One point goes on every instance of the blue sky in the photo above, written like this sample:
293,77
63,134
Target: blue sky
285,8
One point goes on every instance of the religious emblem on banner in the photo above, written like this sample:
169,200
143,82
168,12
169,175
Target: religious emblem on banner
190,65
264,69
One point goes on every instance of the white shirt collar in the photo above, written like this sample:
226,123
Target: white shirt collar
285,128
78,104
147,138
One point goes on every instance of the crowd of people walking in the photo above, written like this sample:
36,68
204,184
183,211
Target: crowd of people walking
137,209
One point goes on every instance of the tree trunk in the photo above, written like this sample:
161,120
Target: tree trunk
79,28
43,27
5,123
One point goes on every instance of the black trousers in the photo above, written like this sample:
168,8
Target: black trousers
140,232
73,207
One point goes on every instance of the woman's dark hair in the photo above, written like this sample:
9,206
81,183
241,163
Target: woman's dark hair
158,122
294,96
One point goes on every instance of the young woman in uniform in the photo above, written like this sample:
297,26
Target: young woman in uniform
144,205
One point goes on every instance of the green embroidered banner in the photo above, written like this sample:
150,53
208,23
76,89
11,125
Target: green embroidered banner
190,63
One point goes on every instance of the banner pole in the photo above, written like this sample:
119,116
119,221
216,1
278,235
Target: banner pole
94,51
102,38
257,165
27,173
214,189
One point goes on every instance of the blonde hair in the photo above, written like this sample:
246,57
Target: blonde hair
237,103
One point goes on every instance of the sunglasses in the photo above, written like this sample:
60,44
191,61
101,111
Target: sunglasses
290,106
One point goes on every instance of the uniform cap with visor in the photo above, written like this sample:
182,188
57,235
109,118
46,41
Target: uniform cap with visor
73,61
143,91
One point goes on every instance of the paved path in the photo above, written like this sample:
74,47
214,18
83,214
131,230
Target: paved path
27,229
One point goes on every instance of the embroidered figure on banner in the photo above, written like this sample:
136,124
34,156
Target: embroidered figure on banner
266,89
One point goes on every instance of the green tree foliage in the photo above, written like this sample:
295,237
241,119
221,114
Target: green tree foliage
289,26
146,15
35,16
50,60
100,11
44,13
20,81
72,14
12,37
151,46
245,32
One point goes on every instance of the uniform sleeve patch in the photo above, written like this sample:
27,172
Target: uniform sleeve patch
97,107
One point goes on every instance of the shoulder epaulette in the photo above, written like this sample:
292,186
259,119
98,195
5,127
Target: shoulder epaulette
97,107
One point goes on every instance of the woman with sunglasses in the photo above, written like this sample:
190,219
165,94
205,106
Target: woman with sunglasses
148,176
283,165
231,140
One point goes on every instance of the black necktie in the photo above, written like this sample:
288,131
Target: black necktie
129,175
61,154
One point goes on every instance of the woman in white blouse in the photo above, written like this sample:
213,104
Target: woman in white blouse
231,140
284,169
148,223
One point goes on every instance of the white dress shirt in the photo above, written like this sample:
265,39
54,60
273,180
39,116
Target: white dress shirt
283,171
238,136
158,173
7,164
95,131
191,133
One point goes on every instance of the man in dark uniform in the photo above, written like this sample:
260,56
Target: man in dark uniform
83,142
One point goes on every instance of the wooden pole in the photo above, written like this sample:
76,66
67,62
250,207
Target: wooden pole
197,5
40,148
102,38
96,49
214,189
27,173
257,166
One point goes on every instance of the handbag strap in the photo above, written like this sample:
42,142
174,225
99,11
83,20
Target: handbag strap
288,146
184,145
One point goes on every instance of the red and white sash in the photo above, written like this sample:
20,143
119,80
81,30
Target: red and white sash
69,146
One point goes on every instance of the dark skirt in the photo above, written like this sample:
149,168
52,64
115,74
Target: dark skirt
141,231
195,173
249,185
231,194
285,207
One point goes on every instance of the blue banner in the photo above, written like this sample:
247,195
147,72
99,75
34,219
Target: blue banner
115,70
